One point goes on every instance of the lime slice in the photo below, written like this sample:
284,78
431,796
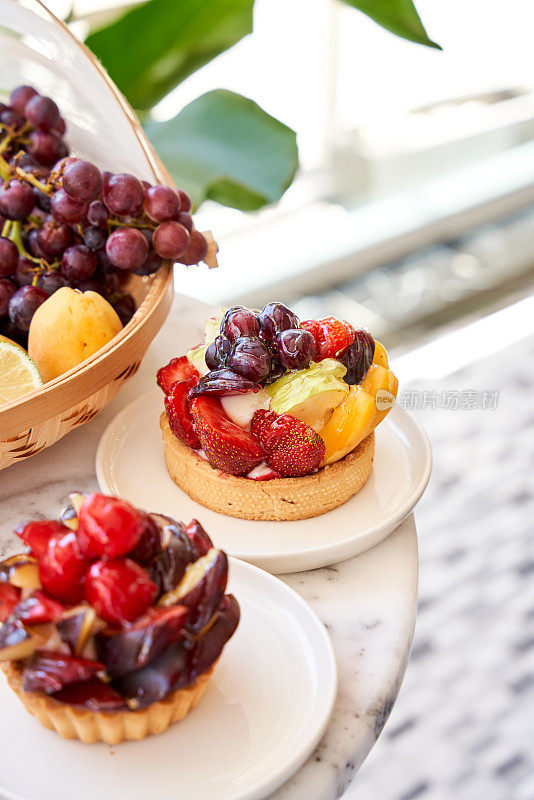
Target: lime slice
18,373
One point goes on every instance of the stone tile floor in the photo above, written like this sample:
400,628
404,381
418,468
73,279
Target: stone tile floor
463,726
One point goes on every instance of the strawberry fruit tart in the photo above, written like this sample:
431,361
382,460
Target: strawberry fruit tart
271,418
113,619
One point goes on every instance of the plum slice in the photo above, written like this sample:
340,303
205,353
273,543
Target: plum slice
198,537
38,609
181,663
93,694
49,671
76,626
142,642
22,571
168,567
201,588
18,642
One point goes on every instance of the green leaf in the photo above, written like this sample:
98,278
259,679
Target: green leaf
398,16
156,45
224,147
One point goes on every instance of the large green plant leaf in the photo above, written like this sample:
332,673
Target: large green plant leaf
156,45
398,16
224,147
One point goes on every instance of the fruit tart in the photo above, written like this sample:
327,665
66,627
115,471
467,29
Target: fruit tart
113,619
271,418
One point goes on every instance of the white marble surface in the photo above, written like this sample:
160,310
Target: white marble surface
368,603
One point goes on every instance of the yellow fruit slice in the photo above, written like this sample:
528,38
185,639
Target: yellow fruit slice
317,410
18,373
380,356
382,384
349,424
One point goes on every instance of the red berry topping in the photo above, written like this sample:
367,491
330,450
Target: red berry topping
120,591
179,415
227,446
62,568
108,526
39,609
9,597
37,534
293,448
332,336
178,369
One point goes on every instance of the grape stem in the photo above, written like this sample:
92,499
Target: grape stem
5,170
27,176
15,234
6,228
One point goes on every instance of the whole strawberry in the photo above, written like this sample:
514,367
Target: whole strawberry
227,446
332,336
294,449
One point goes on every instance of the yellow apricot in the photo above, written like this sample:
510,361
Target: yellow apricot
350,423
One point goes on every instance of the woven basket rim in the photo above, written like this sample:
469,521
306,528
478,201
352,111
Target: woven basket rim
158,284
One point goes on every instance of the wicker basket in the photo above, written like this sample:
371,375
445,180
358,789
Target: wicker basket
37,48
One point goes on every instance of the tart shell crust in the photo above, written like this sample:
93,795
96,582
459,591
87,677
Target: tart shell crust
276,499
111,727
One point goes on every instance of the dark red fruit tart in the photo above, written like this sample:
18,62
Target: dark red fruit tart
112,620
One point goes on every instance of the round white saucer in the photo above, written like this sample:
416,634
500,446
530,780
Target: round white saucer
130,463
264,712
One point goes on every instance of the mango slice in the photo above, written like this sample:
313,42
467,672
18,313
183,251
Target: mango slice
380,356
350,423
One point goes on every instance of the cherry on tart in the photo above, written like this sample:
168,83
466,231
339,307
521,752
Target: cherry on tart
87,628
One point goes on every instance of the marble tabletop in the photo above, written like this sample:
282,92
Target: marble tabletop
368,603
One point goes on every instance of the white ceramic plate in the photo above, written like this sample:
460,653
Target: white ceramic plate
264,712
130,463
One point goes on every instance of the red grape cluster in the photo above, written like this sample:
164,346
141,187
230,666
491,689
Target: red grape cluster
63,222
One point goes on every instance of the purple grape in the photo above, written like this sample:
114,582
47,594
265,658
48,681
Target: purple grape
20,97
151,264
54,238
25,272
82,181
127,248
186,220
16,200
95,237
60,127
161,203
148,233
170,240
12,332
275,318
218,353
197,250
46,148
9,257
111,282
78,263
239,321
185,201
250,358
42,113
358,357
43,201
51,282
11,118
65,209
90,285
277,370
124,305
123,194
33,245
24,304
295,348
223,382
97,214
7,290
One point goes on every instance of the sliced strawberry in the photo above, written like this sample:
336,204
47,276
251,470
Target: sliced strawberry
227,446
37,534
178,369
9,597
294,449
38,609
179,415
332,336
